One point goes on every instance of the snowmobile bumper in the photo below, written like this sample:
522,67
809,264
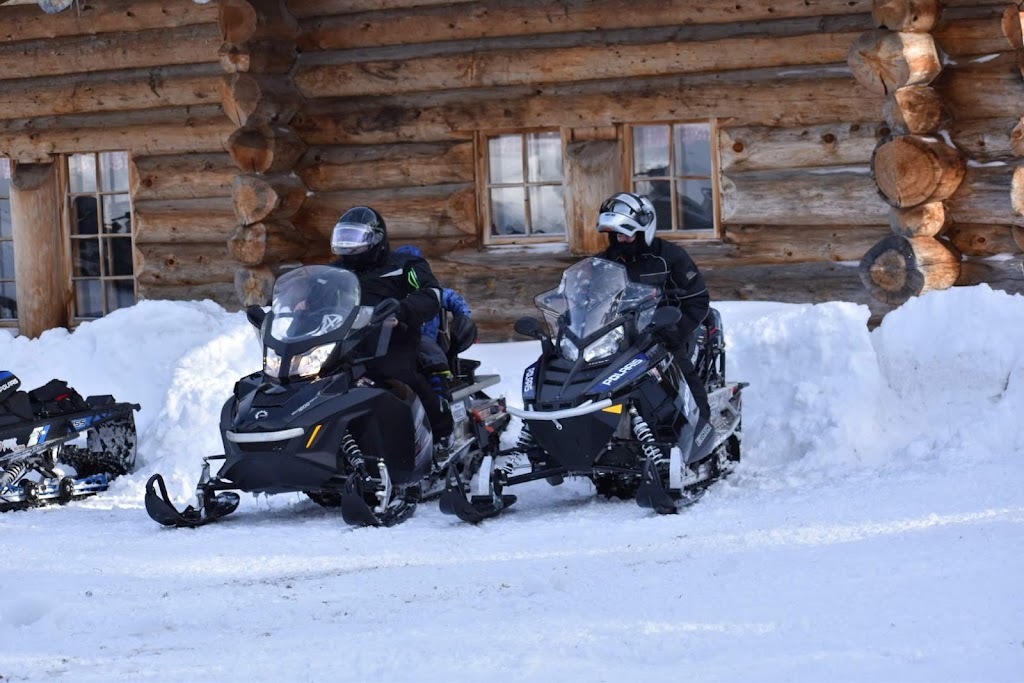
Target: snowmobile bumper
555,415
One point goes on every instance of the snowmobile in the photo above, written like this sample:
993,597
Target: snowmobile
51,426
314,421
606,400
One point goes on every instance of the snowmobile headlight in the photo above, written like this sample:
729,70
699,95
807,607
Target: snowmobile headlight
271,363
605,346
309,363
568,349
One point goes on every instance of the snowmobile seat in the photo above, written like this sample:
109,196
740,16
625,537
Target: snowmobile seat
56,398
15,408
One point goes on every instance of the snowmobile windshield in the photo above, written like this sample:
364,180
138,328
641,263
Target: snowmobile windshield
595,292
313,301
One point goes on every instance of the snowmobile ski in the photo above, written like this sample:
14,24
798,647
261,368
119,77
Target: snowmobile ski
212,506
475,508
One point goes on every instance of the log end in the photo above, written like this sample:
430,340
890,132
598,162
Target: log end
254,285
898,268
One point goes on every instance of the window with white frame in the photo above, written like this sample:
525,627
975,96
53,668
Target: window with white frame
524,198
673,164
8,294
100,230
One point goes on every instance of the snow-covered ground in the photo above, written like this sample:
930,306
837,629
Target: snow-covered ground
873,531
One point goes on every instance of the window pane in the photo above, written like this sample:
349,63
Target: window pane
696,204
84,220
6,260
650,151
693,149
658,191
6,228
114,171
117,214
5,177
544,157
118,254
85,257
88,299
508,211
8,301
82,172
505,159
547,210
120,294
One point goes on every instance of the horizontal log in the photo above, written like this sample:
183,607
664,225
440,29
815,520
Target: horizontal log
205,220
531,17
758,148
318,8
180,135
266,243
883,61
251,99
969,32
108,52
760,98
987,140
915,169
918,16
181,176
259,197
265,148
26,22
983,240
184,264
327,169
924,220
806,197
765,244
114,91
524,67
985,197
242,21
915,109
1005,274
222,293
983,89
410,213
258,57
898,268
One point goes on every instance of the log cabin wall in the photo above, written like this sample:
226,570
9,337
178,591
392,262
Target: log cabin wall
141,77
396,91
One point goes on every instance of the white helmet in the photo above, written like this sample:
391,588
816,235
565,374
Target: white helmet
627,214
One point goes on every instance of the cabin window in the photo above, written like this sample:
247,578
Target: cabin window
100,230
674,165
524,198
8,295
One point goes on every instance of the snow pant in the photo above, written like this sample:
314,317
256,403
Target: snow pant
682,350
400,364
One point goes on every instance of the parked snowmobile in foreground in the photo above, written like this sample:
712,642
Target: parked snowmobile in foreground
606,401
37,429
313,421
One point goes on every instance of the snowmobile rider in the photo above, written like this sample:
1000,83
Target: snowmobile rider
630,222
360,238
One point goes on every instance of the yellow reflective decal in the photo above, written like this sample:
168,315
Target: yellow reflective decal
316,430
617,408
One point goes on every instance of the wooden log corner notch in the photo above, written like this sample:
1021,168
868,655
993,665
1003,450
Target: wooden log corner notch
912,16
266,148
898,268
912,169
884,61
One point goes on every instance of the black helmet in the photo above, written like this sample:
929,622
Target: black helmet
360,237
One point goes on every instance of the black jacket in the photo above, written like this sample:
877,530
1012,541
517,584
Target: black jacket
667,265
408,279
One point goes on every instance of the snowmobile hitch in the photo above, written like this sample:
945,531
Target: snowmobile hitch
212,506
480,507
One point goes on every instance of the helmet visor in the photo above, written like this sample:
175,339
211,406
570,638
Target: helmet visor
353,238
617,222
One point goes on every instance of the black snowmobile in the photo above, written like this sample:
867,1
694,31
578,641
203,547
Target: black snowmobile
607,401
313,421
53,426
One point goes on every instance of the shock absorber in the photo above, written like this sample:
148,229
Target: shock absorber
353,452
645,436
11,473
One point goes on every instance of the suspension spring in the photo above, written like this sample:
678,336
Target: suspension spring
646,438
11,473
352,451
